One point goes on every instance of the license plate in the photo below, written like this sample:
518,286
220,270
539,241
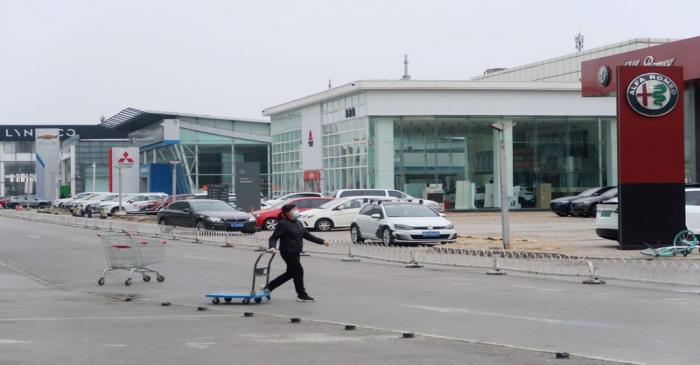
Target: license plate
237,225
606,214
429,234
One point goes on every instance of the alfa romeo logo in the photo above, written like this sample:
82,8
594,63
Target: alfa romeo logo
604,76
652,94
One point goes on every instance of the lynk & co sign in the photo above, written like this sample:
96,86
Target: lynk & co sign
28,132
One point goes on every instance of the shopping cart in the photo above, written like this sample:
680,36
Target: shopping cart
133,254
261,274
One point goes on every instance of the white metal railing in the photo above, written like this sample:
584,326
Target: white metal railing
669,271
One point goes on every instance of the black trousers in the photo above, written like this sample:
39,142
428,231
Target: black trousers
294,271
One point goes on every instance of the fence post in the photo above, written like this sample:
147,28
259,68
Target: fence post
350,257
495,270
593,278
226,242
413,264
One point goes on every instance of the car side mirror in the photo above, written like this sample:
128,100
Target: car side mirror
340,207
376,216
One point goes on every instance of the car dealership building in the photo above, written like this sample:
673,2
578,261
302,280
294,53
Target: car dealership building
407,134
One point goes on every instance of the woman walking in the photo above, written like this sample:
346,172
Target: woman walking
291,234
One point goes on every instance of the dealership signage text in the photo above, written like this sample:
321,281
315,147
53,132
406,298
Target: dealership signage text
650,61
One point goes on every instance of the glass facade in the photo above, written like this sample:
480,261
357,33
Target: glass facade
345,154
569,154
87,152
286,153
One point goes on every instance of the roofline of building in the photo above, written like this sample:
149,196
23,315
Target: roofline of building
364,85
252,120
574,55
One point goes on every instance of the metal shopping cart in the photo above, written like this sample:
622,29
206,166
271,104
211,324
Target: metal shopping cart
261,277
133,254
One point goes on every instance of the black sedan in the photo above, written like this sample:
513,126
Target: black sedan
586,207
562,206
206,214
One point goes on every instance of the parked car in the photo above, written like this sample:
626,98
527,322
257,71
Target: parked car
586,207
345,193
70,204
152,207
133,204
206,214
562,206
80,207
337,213
97,207
272,202
3,201
267,218
58,203
26,201
607,221
401,222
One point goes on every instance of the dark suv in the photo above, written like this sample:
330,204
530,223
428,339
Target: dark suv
206,214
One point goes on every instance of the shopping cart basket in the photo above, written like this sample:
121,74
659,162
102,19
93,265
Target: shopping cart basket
133,254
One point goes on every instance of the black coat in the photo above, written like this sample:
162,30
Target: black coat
291,235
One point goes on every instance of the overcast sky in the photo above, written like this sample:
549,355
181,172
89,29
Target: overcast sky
73,61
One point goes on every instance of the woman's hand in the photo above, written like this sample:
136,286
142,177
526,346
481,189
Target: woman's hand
326,243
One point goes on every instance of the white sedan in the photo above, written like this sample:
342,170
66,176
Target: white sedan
606,220
338,213
401,222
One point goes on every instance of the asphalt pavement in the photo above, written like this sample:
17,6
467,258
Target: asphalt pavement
53,311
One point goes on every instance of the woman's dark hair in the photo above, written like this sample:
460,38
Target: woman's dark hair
285,210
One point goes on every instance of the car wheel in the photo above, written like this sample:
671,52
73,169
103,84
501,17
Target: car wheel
323,225
270,224
562,214
387,237
201,226
355,235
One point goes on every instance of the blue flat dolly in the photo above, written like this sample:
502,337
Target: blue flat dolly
260,273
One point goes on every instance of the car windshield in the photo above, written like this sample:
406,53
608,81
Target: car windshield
589,192
211,206
330,204
409,210
610,193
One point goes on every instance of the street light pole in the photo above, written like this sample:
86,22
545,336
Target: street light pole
501,128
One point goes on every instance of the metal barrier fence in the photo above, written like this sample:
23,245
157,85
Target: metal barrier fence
669,271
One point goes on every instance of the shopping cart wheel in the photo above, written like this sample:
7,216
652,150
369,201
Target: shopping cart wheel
127,282
227,300
215,301
101,282
246,301
160,278
268,297
146,278
258,300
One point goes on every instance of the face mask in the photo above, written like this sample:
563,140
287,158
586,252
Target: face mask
295,214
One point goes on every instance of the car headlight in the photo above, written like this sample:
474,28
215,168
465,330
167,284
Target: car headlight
251,218
450,226
401,227
307,216
214,219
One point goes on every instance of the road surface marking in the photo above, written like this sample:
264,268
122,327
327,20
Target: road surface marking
577,323
199,345
9,341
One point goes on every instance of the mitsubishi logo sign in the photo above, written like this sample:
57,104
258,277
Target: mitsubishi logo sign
125,159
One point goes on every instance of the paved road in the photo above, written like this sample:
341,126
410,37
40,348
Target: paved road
53,310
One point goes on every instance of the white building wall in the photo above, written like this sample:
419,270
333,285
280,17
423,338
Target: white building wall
487,102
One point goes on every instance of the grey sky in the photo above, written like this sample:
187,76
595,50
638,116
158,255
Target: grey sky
72,61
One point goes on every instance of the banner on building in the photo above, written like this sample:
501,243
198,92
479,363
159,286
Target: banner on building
48,148
124,170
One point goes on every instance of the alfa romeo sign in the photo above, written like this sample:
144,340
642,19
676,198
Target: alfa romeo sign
652,94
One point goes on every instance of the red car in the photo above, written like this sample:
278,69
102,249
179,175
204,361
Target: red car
267,218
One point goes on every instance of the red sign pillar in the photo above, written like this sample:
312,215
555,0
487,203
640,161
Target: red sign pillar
651,159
